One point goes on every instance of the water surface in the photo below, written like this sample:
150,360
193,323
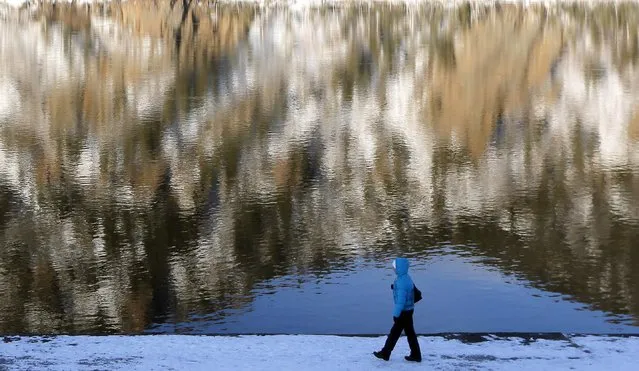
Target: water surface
235,169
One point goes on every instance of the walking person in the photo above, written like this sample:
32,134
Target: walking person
404,297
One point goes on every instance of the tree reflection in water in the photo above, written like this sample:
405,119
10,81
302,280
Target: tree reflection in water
159,160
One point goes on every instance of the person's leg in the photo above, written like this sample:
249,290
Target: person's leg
395,333
415,352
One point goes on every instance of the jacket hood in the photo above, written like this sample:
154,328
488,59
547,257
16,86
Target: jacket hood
401,266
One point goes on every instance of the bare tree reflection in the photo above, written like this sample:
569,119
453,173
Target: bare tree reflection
164,158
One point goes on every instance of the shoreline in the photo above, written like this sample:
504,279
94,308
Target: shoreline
464,337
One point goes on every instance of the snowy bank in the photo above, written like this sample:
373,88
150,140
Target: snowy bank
311,352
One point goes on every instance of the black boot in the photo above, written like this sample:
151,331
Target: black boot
382,355
412,358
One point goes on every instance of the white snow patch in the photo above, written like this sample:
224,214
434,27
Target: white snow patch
311,352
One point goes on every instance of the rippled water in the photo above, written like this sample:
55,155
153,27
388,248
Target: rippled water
238,169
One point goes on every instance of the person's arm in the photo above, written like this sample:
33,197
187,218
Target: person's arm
401,300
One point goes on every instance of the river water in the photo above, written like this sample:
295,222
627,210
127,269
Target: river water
236,169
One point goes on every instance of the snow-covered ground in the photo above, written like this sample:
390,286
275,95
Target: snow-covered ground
309,352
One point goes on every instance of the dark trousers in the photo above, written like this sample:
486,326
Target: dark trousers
405,323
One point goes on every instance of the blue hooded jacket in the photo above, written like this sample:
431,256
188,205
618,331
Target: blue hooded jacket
403,294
